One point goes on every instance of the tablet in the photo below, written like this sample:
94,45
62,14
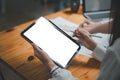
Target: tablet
55,42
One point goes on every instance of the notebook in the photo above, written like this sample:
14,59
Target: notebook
97,10
55,42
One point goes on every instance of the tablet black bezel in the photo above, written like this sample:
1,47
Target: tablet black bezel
55,26
22,33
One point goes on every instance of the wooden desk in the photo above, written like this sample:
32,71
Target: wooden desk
15,51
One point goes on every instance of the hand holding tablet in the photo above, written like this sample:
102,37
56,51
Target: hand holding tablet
60,47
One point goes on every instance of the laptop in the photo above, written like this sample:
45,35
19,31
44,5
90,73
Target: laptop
55,42
97,10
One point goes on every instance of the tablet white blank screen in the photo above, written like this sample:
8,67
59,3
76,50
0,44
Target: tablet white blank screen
59,47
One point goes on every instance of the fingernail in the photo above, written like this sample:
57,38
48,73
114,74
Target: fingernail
84,24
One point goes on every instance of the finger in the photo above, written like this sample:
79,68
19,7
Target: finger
39,50
83,42
36,52
85,35
75,32
33,45
83,32
80,40
84,23
81,25
78,31
87,21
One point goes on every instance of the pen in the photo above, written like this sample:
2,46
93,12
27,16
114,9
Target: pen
91,35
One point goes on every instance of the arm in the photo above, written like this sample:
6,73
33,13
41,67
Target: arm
99,53
85,39
97,27
110,64
43,57
57,72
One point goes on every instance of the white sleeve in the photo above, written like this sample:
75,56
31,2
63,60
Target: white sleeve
99,52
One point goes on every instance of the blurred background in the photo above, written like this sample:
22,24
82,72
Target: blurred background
15,12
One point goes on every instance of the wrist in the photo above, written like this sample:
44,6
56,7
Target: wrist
50,65
54,69
99,52
94,46
95,28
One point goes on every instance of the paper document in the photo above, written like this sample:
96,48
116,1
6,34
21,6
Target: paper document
68,26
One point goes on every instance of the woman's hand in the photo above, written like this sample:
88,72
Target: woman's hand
43,57
84,38
90,26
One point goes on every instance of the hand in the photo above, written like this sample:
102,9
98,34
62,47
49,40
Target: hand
84,38
90,26
43,57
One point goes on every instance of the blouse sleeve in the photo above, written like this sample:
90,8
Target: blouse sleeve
99,52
